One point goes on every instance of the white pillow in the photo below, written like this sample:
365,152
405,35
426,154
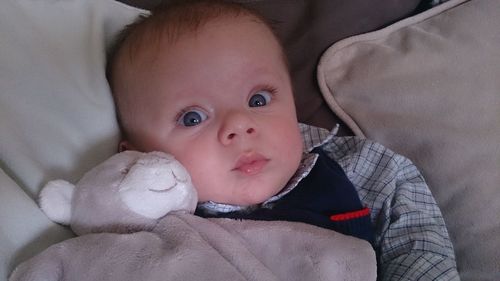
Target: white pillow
56,112
428,87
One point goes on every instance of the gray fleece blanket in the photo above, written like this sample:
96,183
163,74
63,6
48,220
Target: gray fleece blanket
187,247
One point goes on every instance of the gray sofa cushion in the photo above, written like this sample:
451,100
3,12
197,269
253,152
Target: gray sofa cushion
428,87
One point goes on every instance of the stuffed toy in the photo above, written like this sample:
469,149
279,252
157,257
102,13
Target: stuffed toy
133,215
128,192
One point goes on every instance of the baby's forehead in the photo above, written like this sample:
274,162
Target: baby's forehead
148,40
143,49
168,22
156,38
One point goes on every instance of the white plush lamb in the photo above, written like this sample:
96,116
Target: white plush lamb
128,192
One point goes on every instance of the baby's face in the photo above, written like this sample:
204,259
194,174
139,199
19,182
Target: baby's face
220,100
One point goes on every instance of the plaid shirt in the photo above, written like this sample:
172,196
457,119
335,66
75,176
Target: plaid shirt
411,239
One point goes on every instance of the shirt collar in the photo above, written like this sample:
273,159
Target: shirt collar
312,137
315,136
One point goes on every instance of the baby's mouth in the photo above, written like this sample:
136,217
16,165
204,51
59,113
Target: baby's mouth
250,163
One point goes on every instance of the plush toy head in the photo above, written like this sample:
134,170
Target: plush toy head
128,192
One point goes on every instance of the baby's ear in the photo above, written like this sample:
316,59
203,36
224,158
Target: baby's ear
55,200
125,145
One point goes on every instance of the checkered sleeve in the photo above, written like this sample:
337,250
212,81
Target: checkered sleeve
411,239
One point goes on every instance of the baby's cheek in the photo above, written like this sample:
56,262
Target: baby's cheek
203,175
295,149
294,139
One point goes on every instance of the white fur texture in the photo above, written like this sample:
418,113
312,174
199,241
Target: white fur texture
55,200
156,185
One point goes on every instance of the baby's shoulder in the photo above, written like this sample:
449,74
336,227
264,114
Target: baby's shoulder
359,148
363,158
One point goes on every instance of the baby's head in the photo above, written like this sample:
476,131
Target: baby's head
207,82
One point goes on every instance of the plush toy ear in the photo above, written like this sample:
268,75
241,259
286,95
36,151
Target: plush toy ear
55,200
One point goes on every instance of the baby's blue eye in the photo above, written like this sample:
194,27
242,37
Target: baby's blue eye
192,118
261,98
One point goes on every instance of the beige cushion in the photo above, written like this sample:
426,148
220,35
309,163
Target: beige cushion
429,88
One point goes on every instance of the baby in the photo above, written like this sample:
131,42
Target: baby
207,81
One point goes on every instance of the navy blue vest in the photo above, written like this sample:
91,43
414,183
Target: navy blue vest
325,198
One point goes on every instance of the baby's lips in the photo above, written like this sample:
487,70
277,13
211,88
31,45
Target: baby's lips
250,163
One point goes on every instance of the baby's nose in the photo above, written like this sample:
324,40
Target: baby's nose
236,126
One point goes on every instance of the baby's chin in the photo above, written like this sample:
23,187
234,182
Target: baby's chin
265,193
261,197
254,193
246,201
